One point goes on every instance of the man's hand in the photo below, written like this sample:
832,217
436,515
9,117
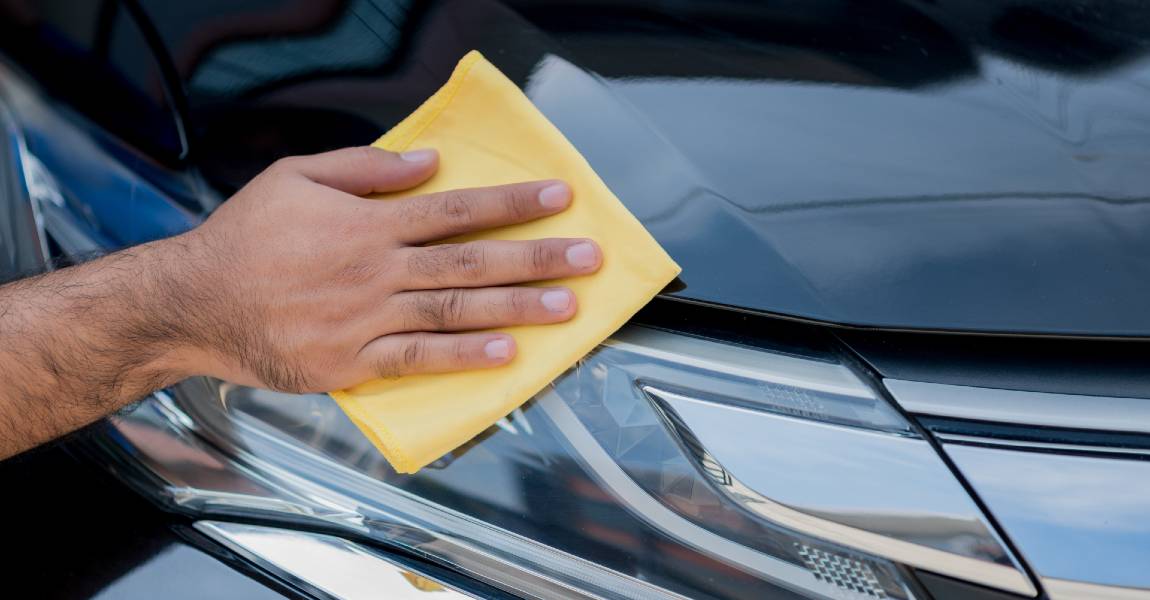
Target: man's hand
297,284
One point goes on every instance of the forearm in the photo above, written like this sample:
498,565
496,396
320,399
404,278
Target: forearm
79,343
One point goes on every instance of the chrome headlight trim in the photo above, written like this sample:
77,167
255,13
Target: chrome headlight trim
326,565
1042,409
251,484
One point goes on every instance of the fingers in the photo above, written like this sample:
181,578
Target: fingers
365,170
464,309
496,262
416,353
445,214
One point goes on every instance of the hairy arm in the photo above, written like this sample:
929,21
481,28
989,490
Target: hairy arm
78,343
296,283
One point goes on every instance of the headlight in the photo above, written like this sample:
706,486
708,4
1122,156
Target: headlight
662,465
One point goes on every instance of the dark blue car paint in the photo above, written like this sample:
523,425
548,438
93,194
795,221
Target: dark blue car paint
978,166
907,165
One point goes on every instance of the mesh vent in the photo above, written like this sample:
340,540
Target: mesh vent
844,572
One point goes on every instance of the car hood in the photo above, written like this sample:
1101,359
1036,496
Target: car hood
969,206
881,166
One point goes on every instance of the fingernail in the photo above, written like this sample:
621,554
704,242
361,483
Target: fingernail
419,156
497,349
581,255
555,196
556,300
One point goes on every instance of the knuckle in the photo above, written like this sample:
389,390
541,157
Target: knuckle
456,207
414,211
518,204
541,258
520,302
364,156
387,366
461,352
287,164
436,311
468,262
427,312
429,262
357,271
452,306
407,359
414,354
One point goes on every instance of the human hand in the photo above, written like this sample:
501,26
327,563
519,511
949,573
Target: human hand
298,284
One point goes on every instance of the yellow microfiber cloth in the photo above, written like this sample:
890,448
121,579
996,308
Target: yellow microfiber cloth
488,133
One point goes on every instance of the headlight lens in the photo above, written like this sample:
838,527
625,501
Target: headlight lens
615,482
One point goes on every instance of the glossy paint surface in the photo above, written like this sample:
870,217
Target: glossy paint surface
970,166
75,533
1076,518
907,164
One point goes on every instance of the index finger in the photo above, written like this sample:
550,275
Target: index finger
366,170
441,215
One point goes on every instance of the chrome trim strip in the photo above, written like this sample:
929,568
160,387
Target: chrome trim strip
987,442
17,155
911,458
1102,413
332,565
1062,589
938,561
760,365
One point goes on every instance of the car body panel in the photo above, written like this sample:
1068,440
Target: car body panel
79,533
982,167
901,167
1042,498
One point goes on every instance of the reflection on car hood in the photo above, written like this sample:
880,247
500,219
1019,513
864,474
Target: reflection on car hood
1016,201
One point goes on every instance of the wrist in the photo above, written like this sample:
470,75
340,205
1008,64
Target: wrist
195,299
175,301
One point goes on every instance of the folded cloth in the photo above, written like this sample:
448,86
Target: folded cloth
488,133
